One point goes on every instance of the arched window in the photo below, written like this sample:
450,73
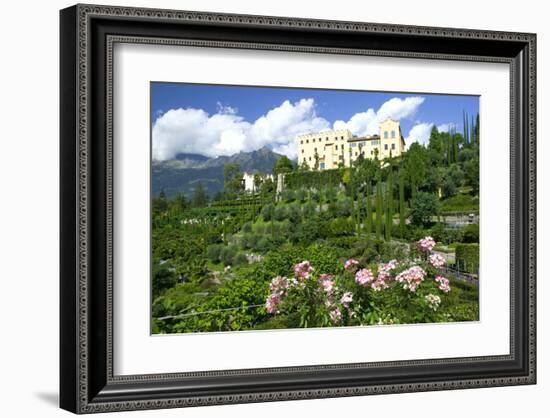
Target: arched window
385,134
393,134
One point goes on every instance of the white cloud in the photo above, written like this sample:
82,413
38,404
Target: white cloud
420,133
225,133
366,123
446,127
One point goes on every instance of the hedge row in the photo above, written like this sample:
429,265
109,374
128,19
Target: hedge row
467,256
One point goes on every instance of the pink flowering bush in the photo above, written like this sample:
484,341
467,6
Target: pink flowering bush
350,264
303,270
436,260
410,290
426,244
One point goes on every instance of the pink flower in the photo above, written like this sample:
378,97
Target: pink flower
436,260
426,244
273,302
411,277
303,270
443,284
346,299
384,275
327,283
350,264
335,316
379,284
279,284
363,277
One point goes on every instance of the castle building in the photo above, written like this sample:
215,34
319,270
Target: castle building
328,149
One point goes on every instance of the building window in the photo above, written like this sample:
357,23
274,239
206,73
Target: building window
356,153
304,159
315,149
322,166
336,147
342,138
303,151
309,158
385,134
307,141
392,146
393,134
371,152
313,140
302,141
386,147
326,138
341,157
354,145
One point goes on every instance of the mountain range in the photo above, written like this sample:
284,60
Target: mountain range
183,173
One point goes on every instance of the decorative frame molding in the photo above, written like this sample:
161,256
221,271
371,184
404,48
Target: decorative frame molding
88,35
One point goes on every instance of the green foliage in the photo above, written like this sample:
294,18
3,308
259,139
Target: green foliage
200,198
460,203
467,257
283,165
164,277
232,176
340,227
424,206
470,233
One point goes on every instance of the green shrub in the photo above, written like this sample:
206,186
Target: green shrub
279,213
240,259
467,257
247,227
228,254
213,253
267,212
340,227
470,233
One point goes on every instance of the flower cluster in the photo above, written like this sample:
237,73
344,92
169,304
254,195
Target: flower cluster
303,270
272,302
327,283
411,277
351,264
436,260
335,316
433,301
426,244
443,284
364,277
346,299
279,284
278,287
384,275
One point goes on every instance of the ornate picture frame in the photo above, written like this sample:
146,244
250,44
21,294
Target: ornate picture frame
88,34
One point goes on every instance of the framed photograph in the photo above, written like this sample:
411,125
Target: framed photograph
264,208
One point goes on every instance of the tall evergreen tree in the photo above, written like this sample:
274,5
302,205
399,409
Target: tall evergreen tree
369,212
379,209
389,206
200,198
401,205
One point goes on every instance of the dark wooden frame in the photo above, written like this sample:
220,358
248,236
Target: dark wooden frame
87,34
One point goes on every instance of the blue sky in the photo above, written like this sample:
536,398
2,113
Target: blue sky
220,120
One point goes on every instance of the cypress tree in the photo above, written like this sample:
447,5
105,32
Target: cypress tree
401,205
389,206
379,209
369,212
